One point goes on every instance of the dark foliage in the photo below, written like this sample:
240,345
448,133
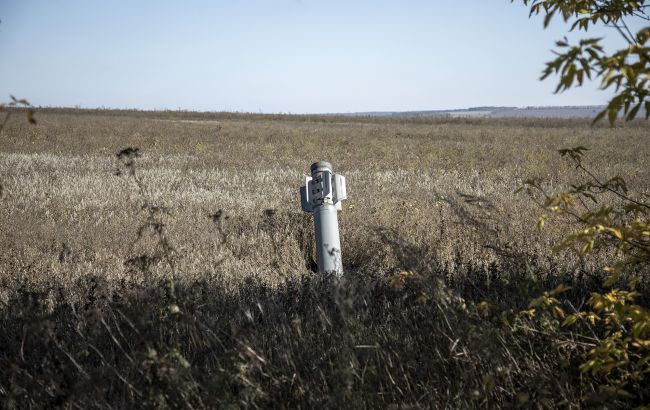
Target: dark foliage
313,342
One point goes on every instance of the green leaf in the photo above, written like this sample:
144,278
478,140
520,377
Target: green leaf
633,112
547,18
561,288
612,279
612,113
569,320
19,102
599,116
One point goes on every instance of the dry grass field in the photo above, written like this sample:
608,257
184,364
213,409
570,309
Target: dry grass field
95,315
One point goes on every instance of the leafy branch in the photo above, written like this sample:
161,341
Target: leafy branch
627,70
620,358
15,102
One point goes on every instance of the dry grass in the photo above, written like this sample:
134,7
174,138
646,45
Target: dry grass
446,187
431,196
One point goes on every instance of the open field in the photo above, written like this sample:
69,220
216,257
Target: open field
446,188
433,197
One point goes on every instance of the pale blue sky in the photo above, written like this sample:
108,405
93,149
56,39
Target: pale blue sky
298,56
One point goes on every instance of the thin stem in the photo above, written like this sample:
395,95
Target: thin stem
621,32
586,222
605,187
163,242
628,30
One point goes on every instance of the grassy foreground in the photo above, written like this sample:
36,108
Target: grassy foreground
440,255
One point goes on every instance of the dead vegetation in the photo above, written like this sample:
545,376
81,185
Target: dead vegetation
97,315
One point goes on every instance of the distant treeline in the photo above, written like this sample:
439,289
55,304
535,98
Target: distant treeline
395,118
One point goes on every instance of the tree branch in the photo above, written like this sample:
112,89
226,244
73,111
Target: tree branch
605,187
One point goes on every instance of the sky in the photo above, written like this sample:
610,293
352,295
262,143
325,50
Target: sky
281,56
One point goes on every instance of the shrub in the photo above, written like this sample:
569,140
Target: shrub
611,329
